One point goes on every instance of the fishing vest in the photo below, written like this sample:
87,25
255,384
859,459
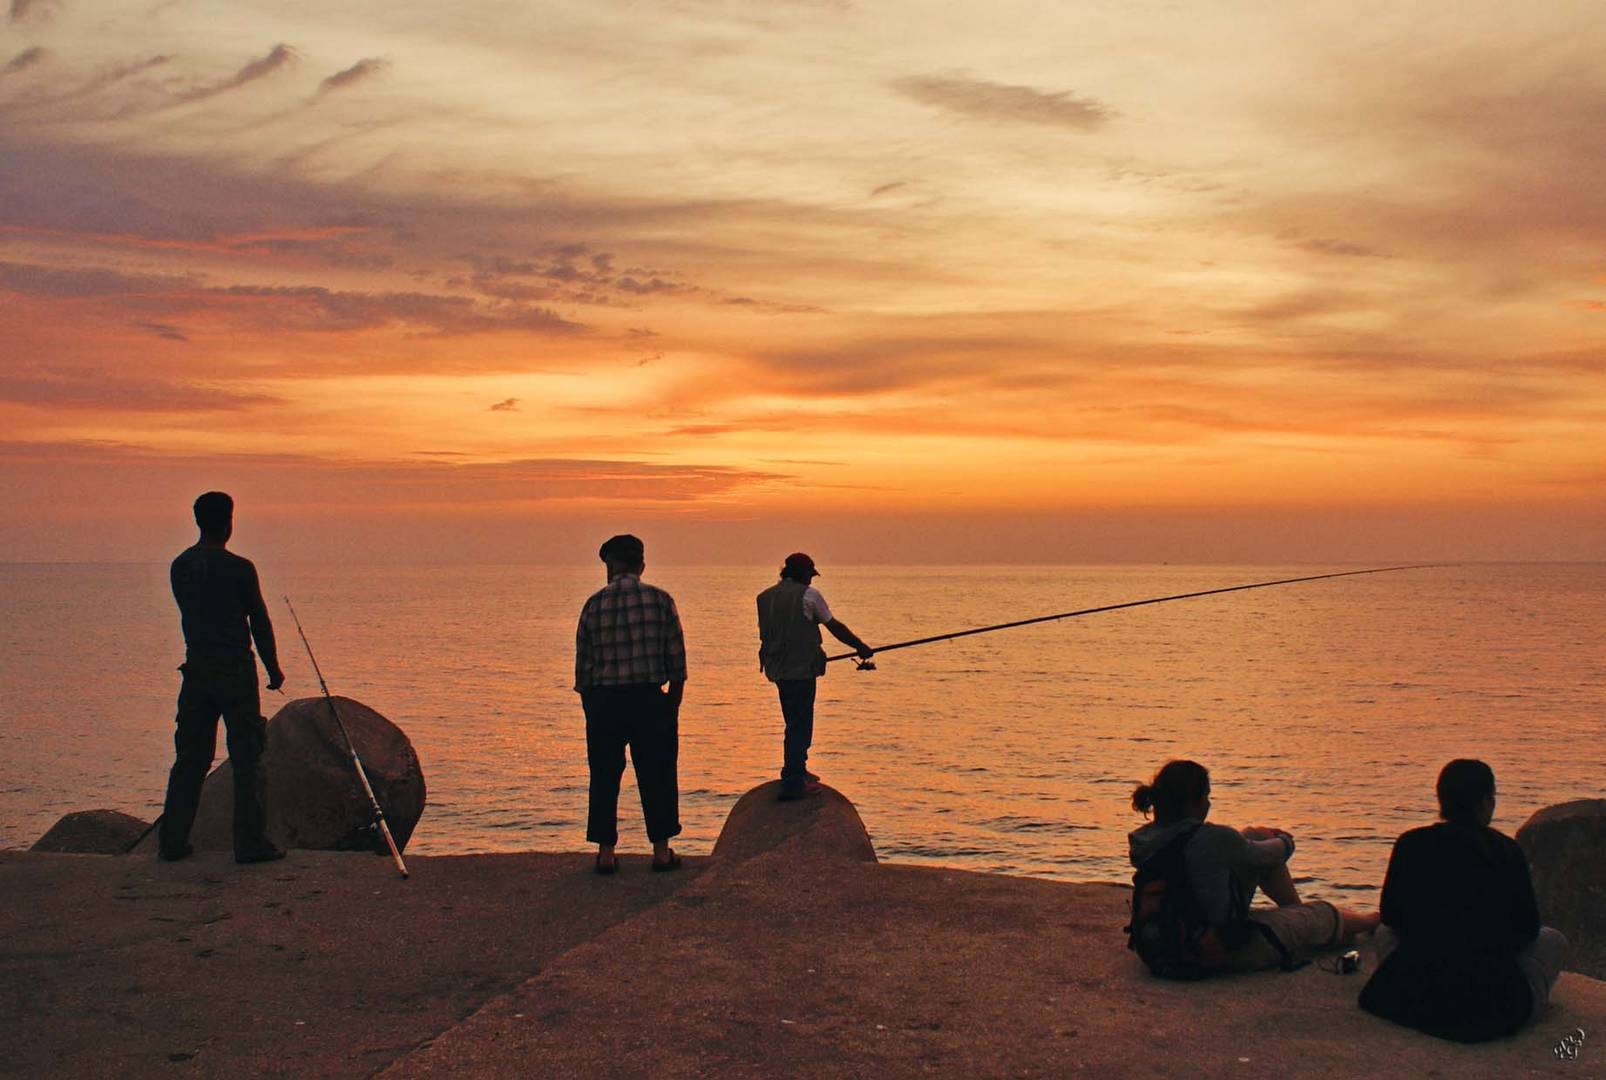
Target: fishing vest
789,641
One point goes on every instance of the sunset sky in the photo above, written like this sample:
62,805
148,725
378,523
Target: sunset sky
889,280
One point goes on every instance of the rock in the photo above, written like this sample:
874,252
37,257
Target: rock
824,824
93,832
1566,849
314,798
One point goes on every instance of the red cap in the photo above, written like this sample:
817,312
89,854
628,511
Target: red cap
798,564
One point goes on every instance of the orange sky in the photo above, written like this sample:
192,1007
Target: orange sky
971,282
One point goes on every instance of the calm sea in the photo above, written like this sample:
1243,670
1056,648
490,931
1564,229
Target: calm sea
1324,708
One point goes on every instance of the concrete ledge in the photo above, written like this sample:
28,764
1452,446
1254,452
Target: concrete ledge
793,953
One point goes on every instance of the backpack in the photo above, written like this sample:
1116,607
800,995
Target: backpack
1169,931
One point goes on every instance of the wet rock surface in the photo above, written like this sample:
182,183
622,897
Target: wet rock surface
1566,849
93,832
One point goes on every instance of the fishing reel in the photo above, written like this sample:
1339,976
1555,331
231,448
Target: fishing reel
861,664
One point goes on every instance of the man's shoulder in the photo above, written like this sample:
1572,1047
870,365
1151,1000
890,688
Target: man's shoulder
1422,836
201,554
661,595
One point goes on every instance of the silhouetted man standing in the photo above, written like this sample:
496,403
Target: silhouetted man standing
221,610
790,614
627,647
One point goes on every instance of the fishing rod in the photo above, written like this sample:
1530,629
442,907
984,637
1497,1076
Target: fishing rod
865,665
368,789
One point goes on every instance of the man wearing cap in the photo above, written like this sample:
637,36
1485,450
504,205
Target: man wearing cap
627,648
790,614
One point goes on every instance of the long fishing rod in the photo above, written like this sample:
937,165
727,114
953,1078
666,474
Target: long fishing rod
368,789
866,666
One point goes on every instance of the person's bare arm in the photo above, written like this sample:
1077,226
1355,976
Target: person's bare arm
840,631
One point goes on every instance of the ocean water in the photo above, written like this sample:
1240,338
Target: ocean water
1324,708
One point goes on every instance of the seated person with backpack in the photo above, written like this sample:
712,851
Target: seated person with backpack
1463,955
1190,896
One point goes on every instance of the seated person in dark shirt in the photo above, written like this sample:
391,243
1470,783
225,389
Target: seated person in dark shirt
221,612
1462,953
1225,867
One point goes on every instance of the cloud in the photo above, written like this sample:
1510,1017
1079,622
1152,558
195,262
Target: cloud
571,272
261,68
362,69
110,471
506,405
24,60
307,308
1326,246
81,282
1003,102
885,188
315,308
164,330
97,391
21,9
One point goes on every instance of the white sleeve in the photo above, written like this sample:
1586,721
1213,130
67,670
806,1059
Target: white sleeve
814,606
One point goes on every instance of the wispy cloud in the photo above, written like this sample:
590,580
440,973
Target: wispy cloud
24,60
1004,102
506,405
21,9
95,390
310,308
82,282
276,58
164,330
362,69
378,484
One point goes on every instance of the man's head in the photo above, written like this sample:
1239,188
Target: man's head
1466,792
214,516
799,567
624,554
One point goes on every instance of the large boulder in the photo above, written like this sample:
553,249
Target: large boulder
1566,849
93,832
314,797
825,824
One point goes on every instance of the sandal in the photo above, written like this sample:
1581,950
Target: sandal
671,863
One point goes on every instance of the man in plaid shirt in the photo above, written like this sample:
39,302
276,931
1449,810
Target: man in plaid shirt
627,647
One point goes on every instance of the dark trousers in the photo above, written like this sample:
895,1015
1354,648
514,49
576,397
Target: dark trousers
228,690
638,716
797,706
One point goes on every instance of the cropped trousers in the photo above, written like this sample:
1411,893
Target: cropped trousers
638,716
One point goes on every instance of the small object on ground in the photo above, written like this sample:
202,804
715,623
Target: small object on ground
671,863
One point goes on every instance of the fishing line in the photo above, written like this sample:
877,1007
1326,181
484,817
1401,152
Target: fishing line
866,666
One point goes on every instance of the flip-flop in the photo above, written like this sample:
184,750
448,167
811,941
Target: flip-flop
671,863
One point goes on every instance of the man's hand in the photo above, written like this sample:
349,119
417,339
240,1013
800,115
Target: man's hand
275,679
864,651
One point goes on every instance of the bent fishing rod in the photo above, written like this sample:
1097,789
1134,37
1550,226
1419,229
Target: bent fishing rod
368,789
865,665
